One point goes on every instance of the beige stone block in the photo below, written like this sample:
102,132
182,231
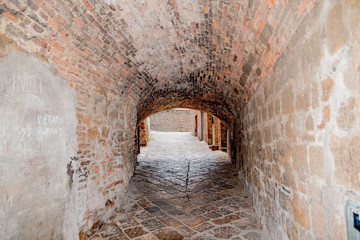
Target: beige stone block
318,219
346,117
288,179
317,161
268,138
326,87
325,118
277,107
275,172
346,152
271,111
282,153
299,160
269,153
293,231
309,124
303,101
315,95
301,211
290,127
287,100
338,228
264,114
336,32
315,189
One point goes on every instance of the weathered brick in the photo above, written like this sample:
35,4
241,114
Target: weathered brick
10,16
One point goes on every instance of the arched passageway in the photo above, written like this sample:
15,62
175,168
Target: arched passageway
183,190
78,76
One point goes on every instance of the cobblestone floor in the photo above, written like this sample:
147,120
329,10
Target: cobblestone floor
183,190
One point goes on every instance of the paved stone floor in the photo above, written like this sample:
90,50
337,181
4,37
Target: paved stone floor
183,190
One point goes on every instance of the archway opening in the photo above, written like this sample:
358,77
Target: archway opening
203,125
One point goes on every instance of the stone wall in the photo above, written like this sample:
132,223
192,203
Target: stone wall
174,120
37,148
67,147
298,138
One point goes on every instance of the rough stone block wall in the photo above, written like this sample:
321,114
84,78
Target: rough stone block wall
298,136
38,145
175,120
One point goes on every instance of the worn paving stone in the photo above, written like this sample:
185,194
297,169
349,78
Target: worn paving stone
152,224
147,237
208,202
225,232
194,221
152,209
143,215
135,232
213,214
169,221
186,231
204,227
167,234
144,203
226,220
119,237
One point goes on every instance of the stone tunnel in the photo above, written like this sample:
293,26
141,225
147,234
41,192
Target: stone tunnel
78,76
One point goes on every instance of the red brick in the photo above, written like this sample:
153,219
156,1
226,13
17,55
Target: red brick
10,16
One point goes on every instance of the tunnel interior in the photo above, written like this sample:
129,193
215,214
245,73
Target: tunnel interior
78,77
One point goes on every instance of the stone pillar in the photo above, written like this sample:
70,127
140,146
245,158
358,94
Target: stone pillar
144,132
208,129
215,128
197,124
223,137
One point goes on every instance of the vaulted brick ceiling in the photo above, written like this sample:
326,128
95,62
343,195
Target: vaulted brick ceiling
205,54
